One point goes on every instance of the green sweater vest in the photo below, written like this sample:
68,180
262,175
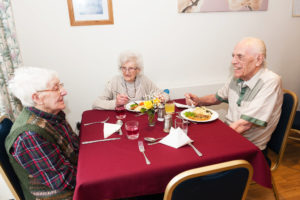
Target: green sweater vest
28,121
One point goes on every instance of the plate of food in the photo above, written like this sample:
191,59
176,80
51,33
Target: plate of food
135,106
199,114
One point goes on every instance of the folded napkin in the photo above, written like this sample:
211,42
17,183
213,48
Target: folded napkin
109,129
179,105
176,138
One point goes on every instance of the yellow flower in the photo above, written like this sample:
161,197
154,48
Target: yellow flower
148,104
156,101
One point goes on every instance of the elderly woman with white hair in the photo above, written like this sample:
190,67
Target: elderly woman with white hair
131,85
42,147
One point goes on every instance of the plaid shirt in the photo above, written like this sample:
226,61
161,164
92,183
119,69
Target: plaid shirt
44,160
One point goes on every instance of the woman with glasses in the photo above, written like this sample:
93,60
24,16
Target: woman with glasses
42,147
131,85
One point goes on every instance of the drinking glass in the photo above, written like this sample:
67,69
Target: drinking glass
180,123
170,107
120,112
132,129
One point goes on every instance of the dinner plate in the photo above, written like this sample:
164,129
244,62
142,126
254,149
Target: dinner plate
127,106
214,116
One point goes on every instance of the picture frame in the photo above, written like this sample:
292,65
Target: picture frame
90,12
296,8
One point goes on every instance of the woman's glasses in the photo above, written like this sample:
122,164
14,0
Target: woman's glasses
130,69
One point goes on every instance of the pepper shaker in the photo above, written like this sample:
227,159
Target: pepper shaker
168,123
161,112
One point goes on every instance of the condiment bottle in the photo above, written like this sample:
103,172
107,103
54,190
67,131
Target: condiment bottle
161,112
168,123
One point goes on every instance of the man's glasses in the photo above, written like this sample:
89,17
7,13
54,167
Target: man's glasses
130,69
57,88
238,57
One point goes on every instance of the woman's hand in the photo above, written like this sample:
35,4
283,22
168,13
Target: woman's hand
121,99
191,99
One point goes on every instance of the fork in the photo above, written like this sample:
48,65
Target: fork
86,124
142,149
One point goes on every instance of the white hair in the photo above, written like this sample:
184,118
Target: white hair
259,46
131,56
27,81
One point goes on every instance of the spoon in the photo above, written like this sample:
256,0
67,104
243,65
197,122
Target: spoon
151,139
120,122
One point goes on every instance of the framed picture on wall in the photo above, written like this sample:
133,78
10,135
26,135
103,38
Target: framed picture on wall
193,6
90,12
296,8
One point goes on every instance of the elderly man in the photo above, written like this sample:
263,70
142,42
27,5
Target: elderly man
42,147
254,94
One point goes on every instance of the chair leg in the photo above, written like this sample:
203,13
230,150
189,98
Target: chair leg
274,188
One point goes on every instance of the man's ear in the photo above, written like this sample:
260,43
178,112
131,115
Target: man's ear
259,60
37,99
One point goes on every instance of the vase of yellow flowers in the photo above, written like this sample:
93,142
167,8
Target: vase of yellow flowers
150,107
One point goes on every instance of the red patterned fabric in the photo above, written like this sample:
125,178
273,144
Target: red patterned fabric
116,169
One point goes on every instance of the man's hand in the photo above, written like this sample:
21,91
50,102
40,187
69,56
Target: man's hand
191,99
121,99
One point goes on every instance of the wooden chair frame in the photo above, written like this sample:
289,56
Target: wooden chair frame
295,131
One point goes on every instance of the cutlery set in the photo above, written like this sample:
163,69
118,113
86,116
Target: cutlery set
140,143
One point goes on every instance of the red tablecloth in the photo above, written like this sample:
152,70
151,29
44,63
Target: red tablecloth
116,169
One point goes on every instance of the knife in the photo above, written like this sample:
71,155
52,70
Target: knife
103,140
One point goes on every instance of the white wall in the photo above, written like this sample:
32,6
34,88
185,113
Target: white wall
180,50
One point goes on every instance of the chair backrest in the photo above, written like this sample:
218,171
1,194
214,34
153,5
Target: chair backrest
279,137
6,169
227,180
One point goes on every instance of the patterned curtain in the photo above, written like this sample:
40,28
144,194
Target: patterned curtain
10,59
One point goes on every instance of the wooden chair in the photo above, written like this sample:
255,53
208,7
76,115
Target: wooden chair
295,130
6,169
227,180
279,137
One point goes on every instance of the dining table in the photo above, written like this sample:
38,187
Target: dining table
116,169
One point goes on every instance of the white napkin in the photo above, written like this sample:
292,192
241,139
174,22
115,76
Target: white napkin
176,138
179,105
109,129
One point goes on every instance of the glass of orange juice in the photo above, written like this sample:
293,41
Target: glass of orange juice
170,107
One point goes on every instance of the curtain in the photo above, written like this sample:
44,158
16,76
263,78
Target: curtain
10,59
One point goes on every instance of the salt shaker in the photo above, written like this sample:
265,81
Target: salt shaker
161,112
168,123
